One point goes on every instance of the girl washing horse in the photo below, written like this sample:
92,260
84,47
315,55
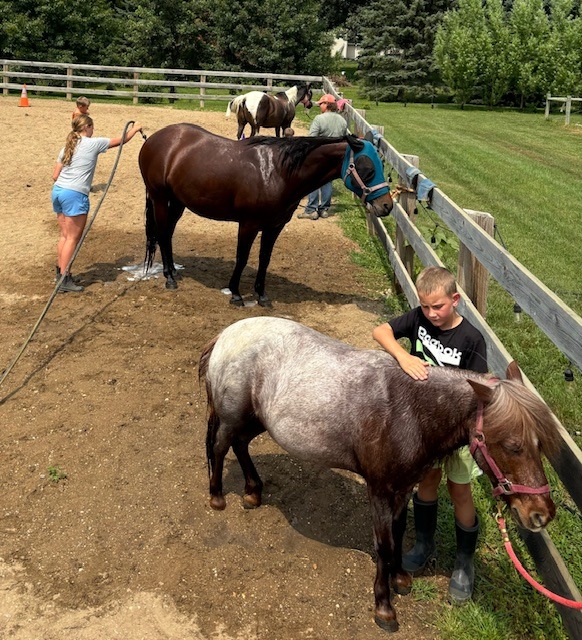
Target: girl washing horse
368,416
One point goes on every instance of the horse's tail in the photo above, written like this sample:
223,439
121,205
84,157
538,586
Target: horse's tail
234,105
151,237
213,421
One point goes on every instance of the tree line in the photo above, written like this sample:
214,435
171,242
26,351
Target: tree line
491,51
494,51
271,36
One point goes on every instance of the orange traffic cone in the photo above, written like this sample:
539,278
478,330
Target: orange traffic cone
24,97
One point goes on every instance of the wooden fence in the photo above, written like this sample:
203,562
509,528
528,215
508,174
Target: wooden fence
133,82
560,323
480,253
566,104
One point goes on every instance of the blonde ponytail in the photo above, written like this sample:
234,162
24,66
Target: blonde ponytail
79,124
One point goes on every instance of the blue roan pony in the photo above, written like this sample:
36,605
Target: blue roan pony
257,182
337,406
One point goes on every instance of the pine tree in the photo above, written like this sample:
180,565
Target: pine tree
396,40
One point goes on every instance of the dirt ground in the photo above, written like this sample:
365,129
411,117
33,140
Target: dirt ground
126,545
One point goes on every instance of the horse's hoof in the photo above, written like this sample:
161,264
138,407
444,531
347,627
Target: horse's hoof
251,501
390,625
237,301
265,302
402,583
218,503
171,284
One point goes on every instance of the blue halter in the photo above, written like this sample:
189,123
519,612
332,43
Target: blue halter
378,186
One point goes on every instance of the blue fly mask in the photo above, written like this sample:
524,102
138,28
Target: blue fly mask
362,172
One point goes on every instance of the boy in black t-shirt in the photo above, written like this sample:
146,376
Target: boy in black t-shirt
440,336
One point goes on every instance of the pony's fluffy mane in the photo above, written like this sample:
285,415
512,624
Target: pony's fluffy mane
514,404
514,412
294,151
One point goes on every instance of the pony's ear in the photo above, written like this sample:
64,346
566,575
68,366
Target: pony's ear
513,372
483,391
355,143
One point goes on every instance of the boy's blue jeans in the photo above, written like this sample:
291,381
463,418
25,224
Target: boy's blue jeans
320,199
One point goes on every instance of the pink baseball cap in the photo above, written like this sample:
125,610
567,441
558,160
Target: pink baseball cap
326,98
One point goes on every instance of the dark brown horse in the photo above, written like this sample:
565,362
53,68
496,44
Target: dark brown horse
256,182
342,407
260,109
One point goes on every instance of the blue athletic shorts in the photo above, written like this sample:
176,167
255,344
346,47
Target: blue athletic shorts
69,202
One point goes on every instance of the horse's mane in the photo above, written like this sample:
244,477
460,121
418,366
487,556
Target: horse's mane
516,412
294,151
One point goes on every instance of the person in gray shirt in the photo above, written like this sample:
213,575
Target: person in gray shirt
73,175
331,124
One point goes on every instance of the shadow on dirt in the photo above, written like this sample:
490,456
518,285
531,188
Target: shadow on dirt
321,504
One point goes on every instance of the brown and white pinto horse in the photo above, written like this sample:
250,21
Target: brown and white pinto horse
337,406
260,109
257,182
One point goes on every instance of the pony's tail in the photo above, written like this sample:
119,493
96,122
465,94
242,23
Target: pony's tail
213,420
151,237
228,111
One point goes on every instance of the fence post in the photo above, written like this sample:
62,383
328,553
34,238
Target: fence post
357,129
5,78
135,87
568,108
472,276
548,97
202,92
69,83
407,201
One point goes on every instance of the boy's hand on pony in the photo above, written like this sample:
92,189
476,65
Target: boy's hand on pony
416,368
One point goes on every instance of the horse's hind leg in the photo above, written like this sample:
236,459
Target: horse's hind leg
253,482
176,209
216,452
167,214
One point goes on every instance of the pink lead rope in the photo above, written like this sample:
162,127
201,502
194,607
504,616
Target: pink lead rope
573,604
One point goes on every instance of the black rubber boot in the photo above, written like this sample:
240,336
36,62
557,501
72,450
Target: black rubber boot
463,578
425,519
68,285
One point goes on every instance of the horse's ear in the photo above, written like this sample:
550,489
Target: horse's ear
513,372
483,391
355,143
